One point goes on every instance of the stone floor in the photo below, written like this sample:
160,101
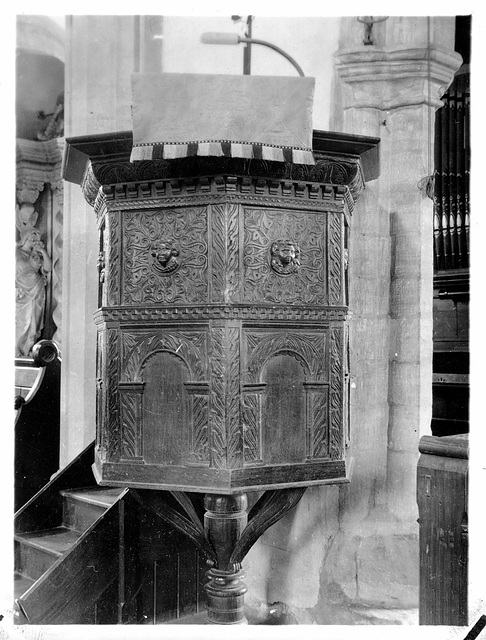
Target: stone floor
389,616
363,616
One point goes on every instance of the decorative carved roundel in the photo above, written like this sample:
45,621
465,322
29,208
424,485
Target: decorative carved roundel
165,258
285,257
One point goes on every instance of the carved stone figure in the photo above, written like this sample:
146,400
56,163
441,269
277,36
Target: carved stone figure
101,264
55,127
32,266
285,257
25,217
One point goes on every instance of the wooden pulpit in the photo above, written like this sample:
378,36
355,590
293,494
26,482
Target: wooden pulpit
222,358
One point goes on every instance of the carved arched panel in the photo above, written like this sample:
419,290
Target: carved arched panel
165,410
164,369
283,410
303,398
189,345
307,346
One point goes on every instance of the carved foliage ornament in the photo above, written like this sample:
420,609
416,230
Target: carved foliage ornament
336,391
309,347
303,256
110,437
335,171
113,255
138,347
225,267
224,415
171,244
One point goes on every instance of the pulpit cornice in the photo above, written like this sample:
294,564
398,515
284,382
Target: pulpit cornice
341,160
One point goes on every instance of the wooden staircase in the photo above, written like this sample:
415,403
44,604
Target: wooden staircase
44,558
96,555
63,533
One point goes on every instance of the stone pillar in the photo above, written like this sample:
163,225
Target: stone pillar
391,90
100,60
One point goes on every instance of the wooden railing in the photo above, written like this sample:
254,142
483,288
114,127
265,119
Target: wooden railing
451,176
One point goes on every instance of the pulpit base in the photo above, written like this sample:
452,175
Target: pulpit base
227,535
224,521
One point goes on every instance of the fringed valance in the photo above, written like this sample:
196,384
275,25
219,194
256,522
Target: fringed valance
177,115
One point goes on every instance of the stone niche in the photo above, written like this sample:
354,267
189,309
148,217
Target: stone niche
222,362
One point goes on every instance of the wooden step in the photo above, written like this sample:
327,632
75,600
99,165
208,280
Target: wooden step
69,591
38,550
21,584
82,507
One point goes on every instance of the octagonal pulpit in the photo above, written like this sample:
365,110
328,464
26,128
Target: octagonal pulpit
222,362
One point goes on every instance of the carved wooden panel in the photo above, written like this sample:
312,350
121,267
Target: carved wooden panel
317,397
226,433
335,260
204,312
131,421
165,256
307,345
166,410
142,368
217,411
284,410
252,421
285,402
111,433
225,278
199,423
267,275
235,444
336,391
189,344
112,258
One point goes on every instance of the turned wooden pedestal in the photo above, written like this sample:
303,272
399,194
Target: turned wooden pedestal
224,522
